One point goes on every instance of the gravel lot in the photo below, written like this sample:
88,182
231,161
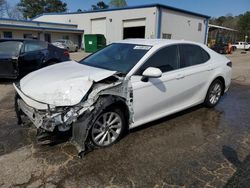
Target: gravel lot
196,148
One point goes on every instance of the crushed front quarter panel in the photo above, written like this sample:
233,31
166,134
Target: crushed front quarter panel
99,99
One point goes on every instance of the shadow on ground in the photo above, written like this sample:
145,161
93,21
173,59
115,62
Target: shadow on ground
241,177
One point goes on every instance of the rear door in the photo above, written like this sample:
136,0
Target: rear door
197,69
9,52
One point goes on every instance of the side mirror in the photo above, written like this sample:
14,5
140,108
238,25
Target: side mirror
151,72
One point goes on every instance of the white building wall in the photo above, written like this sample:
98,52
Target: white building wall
183,26
19,34
114,21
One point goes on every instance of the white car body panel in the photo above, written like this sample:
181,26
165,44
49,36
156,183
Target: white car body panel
63,84
67,83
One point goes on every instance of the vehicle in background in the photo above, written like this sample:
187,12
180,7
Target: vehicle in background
221,44
19,57
68,44
220,48
124,85
241,46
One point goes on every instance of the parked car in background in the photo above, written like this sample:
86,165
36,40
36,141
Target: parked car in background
68,44
19,57
122,86
241,46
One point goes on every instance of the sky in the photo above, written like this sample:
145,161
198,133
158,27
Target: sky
213,8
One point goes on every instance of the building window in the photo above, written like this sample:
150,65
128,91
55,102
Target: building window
65,37
200,27
27,36
166,36
7,34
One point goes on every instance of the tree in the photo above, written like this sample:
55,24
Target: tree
100,5
118,3
13,12
244,25
2,7
32,8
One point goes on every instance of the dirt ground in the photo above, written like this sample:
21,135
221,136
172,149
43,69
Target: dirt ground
196,148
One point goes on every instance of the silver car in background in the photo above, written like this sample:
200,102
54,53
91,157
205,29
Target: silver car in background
67,44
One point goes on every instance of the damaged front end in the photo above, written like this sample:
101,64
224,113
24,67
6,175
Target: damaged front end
80,117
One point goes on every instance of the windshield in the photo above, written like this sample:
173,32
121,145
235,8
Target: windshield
10,48
117,57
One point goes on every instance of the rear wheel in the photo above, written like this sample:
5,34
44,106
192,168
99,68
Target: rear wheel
214,94
108,128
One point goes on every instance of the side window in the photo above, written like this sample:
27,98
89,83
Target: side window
34,46
166,59
192,55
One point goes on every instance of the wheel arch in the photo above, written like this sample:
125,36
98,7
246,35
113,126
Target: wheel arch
119,102
221,78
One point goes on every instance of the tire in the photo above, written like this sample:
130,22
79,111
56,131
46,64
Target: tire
104,133
76,50
214,94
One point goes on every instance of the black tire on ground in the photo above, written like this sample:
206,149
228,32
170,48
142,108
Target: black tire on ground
214,93
76,49
115,135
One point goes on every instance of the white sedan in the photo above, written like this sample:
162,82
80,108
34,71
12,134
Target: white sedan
122,86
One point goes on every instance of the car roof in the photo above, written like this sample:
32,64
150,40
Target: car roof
19,40
156,42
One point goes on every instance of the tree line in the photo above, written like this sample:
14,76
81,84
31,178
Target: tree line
28,9
241,23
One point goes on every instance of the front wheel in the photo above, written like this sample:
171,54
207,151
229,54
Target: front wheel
108,128
214,94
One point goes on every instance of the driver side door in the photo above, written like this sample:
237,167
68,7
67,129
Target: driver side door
158,97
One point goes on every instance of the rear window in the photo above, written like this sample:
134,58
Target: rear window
35,46
10,48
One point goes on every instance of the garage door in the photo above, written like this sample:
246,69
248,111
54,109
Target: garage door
134,28
98,26
134,23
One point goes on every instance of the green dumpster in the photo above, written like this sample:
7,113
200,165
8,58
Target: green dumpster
94,42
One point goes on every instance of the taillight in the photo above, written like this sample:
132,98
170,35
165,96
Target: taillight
66,53
229,64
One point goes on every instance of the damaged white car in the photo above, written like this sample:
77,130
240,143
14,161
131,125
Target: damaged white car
122,86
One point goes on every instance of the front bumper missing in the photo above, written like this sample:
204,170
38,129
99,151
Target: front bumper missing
42,120
79,117
35,118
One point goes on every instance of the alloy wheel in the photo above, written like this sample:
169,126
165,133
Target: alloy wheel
106,129
215,93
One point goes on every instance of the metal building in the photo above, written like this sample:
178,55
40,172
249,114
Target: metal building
148,21
46,31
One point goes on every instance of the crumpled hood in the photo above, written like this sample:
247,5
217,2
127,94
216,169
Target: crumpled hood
63,84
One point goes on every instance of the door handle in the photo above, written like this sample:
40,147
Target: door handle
180,76
210,68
